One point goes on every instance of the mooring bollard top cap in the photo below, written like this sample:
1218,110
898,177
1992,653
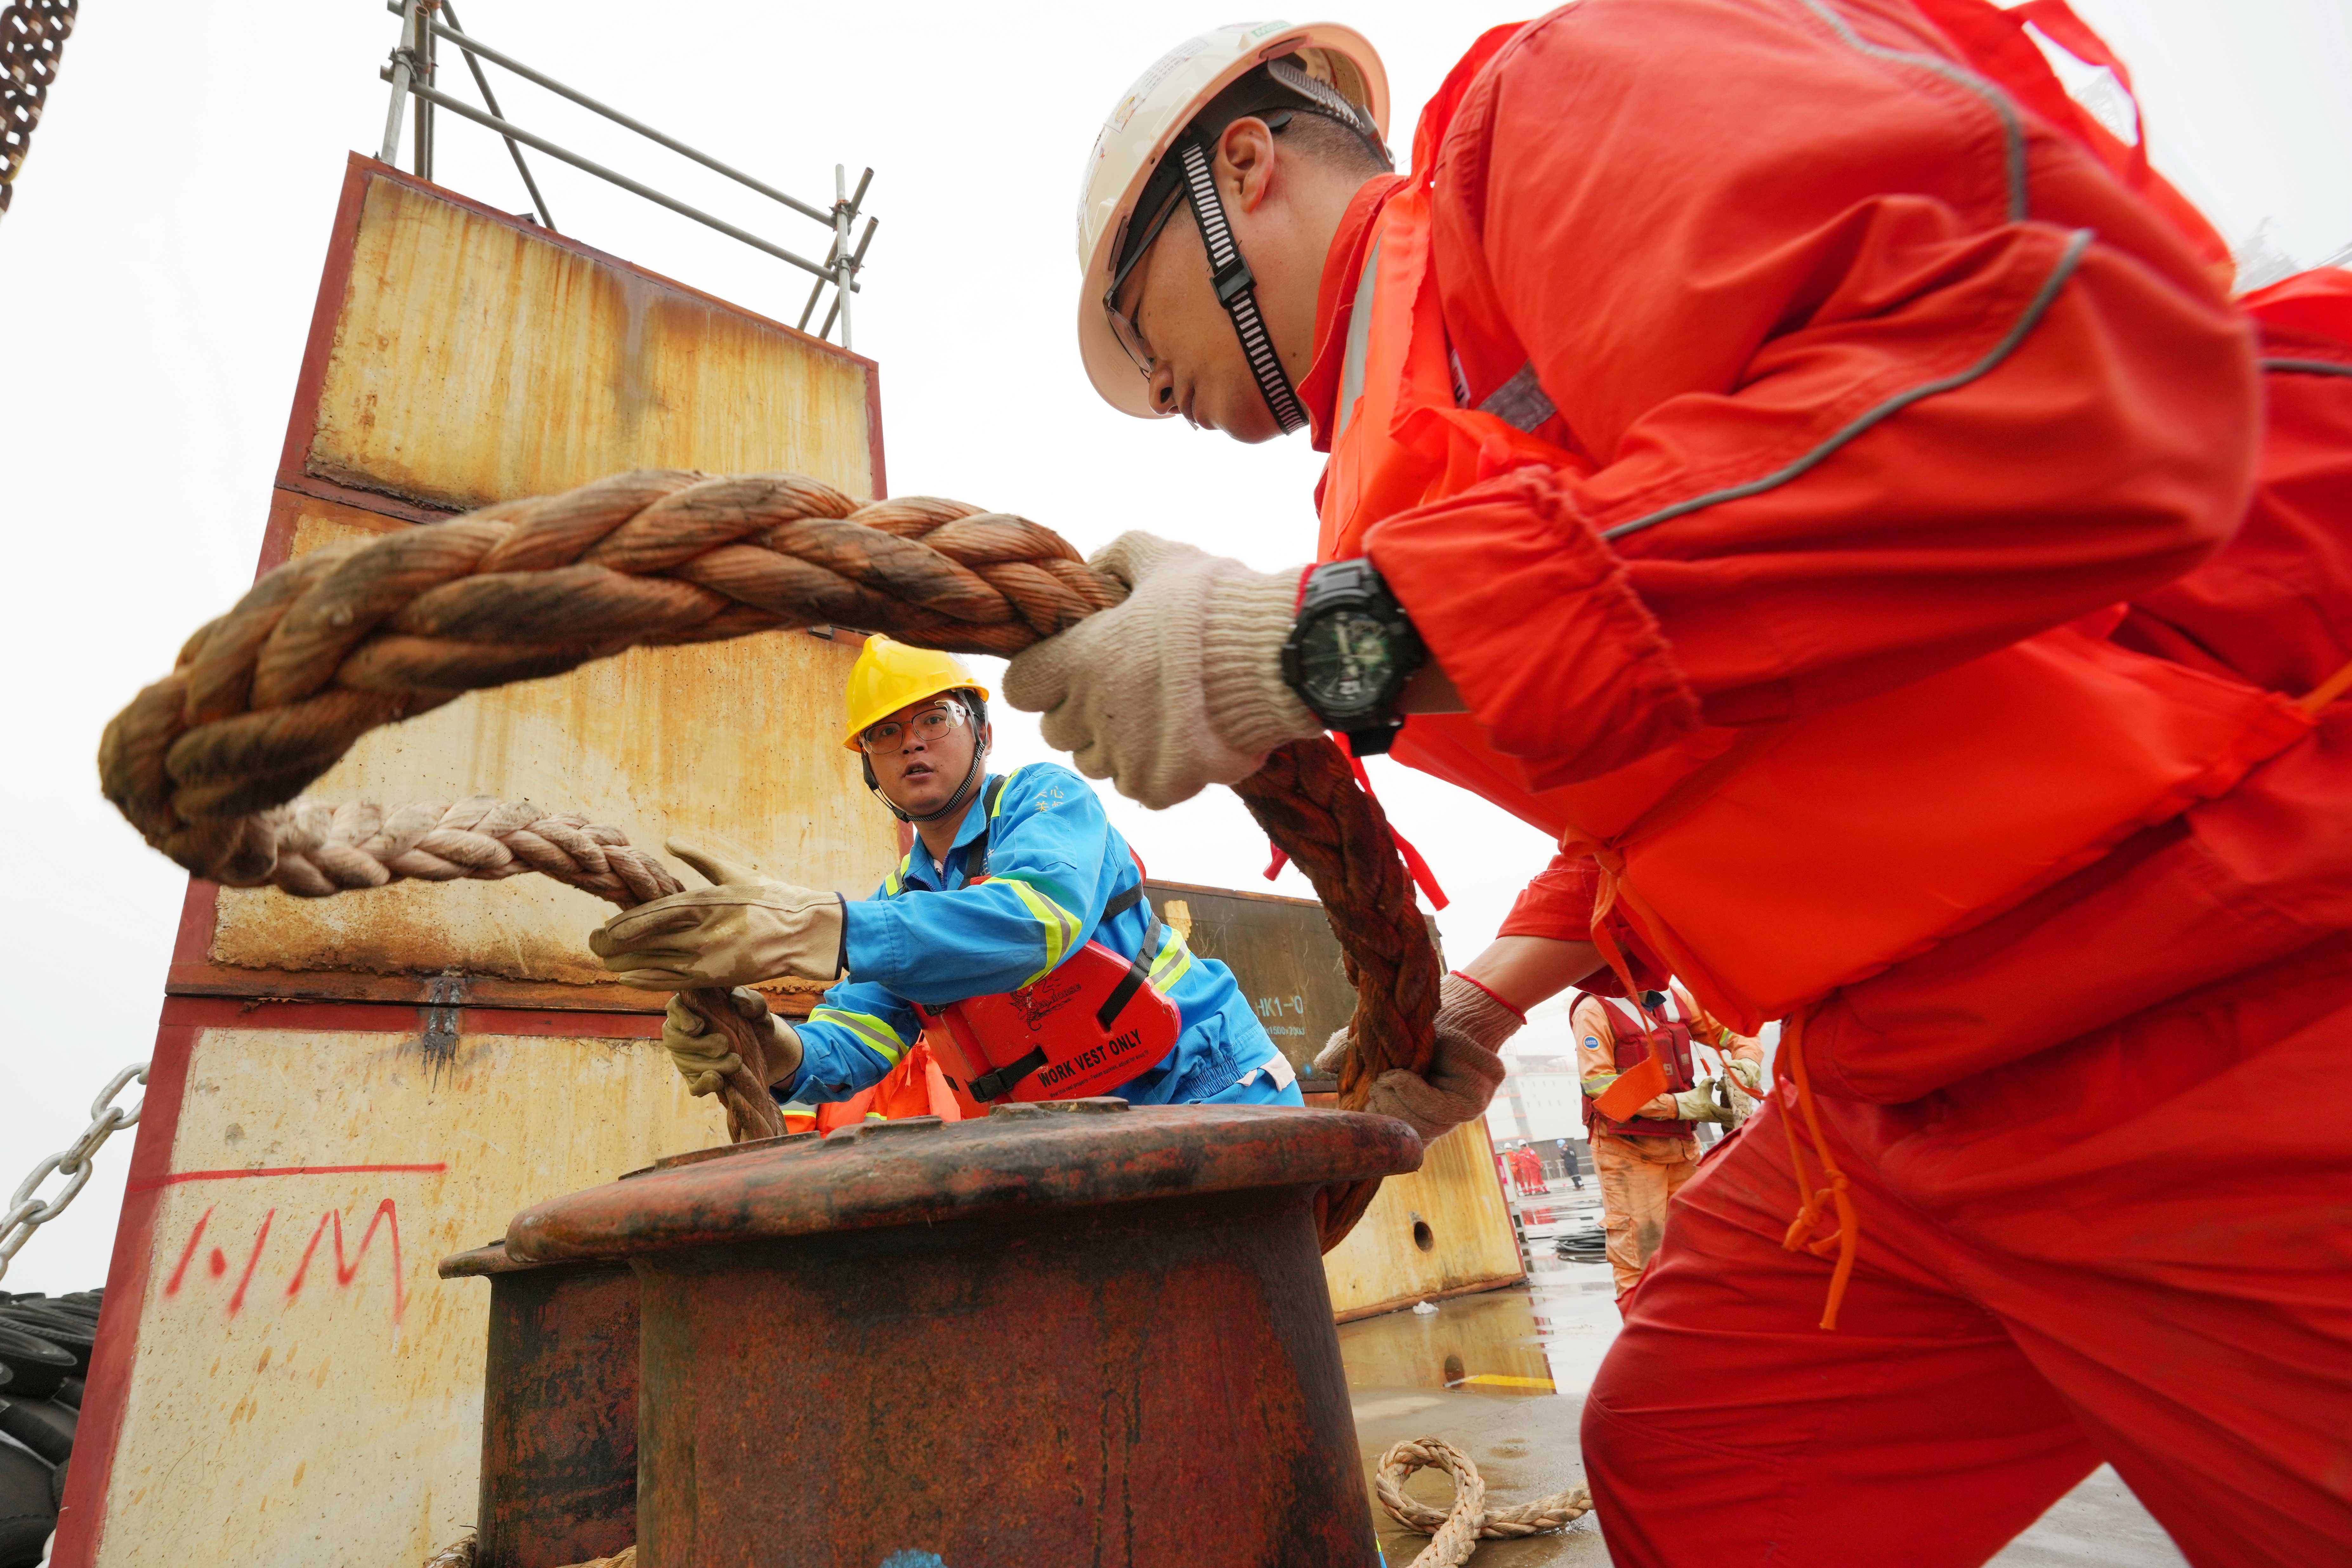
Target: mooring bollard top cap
1059,1154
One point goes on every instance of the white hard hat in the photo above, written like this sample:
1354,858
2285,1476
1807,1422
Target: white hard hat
1147,120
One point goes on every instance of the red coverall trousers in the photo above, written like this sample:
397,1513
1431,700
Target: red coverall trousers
2098,1253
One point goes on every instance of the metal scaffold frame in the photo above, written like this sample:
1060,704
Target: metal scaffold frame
411,72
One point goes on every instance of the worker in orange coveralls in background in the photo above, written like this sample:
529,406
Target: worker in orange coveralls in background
1790,452
1643,1160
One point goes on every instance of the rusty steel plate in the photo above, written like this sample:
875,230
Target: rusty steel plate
1025,1158
559,1383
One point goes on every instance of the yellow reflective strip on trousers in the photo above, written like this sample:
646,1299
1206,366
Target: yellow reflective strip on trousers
879,1035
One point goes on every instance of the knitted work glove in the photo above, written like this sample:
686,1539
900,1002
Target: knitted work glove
1472,1025
703,1057
740,929
1334,1052
1750,1074
1177,688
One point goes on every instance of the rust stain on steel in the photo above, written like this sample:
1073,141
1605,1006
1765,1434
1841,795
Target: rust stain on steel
1080,1333
473,363
559,1410
734,742
1381,1264
1282,952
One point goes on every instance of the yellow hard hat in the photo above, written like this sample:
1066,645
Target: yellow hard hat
890,674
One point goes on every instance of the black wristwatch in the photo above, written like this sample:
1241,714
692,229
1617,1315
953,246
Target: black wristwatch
1351,652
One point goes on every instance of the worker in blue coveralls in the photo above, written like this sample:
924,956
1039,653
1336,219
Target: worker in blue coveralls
1015,933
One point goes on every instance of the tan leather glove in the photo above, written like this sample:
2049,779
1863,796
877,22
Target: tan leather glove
740,929
1750,1074
1697,1103
703,1057
1464,1074
1179,688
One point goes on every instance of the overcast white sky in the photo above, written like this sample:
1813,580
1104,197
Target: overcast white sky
159,266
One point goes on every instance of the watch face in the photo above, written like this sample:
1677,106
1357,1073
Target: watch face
1346,662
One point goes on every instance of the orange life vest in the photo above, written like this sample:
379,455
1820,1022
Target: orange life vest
1767,865
1640,1037
1087,1024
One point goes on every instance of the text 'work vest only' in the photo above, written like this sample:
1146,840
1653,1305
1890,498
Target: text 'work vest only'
1087,1024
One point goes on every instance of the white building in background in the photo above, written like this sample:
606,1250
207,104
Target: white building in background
1540,1097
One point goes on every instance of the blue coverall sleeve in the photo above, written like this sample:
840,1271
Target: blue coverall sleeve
1049,843
850,1041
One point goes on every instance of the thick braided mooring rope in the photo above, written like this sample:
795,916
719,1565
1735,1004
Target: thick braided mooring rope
321,850
1454,1532
358,634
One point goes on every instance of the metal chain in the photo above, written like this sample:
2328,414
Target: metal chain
33,35
27,1213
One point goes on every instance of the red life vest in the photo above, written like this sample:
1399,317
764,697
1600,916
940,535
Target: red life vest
1087,1024
1767,865
1642,1036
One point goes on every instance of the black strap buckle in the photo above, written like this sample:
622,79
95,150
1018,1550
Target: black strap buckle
1233,279
1004,1080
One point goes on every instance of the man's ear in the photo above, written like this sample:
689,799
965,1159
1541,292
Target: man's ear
1246,163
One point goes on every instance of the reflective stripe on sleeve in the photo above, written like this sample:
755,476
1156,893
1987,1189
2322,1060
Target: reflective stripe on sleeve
1059,927
872,1033
1171,962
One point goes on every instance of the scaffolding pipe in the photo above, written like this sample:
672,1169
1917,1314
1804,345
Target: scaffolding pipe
505,128
490,101
476,47
399,77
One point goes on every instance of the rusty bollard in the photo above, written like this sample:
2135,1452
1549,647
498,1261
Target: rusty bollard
1059,1334
559,1410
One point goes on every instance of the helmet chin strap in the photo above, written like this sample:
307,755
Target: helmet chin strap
1237,289
956,802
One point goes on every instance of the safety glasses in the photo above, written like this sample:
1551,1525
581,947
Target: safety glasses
930,726
1130,336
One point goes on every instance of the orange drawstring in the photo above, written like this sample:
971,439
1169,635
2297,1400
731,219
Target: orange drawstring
1791,1062
2326,692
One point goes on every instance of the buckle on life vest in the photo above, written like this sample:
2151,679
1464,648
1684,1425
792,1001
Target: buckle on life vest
1092,1023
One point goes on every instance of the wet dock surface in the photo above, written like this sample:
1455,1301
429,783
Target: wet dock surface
1502,1376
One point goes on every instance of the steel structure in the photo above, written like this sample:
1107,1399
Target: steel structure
424,25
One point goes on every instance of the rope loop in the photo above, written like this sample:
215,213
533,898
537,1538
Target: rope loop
1454,1532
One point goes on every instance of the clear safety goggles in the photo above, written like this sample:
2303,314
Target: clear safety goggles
930,726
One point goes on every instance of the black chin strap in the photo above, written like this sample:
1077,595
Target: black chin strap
1236,289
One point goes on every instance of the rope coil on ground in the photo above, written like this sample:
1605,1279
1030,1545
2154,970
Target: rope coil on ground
1454,1532
357,634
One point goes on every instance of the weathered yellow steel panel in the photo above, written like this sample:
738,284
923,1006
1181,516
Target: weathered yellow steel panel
1443,1228
305,1390
735,742
475,361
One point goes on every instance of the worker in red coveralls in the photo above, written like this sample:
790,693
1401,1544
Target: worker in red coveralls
1788,451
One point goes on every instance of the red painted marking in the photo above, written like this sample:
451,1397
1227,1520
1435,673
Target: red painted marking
345,1273
173,1288
175,1179
217,1263
237,1301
